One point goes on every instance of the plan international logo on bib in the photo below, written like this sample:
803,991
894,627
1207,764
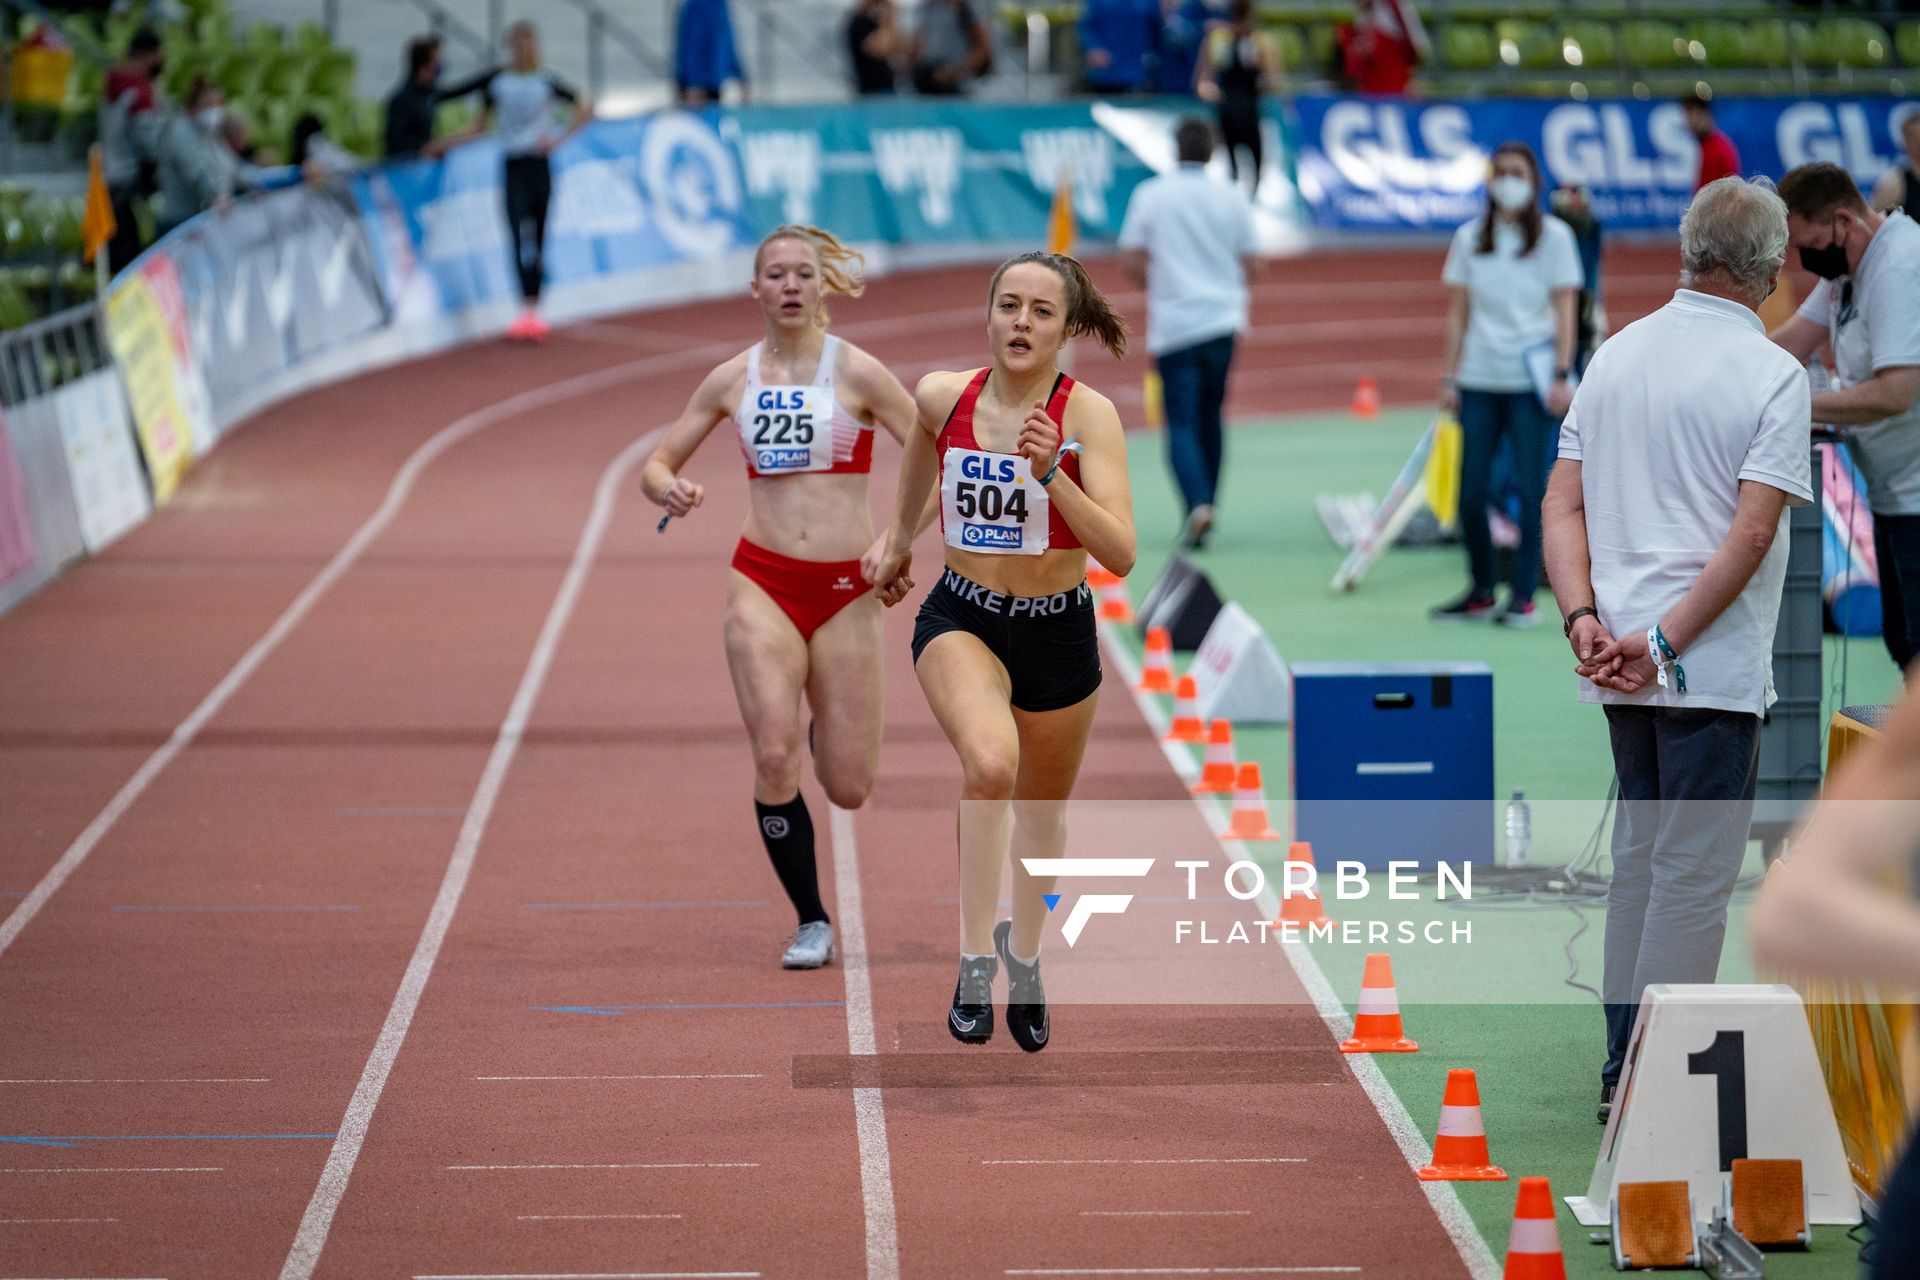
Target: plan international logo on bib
991,535
784,459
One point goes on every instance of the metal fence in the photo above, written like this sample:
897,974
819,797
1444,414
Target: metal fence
38,358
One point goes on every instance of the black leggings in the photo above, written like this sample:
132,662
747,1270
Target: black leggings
1240,127
529,188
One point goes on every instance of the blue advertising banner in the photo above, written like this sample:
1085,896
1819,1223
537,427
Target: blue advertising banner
1379,164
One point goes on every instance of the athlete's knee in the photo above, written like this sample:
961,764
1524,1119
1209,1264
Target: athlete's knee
847,788
988,774
777,764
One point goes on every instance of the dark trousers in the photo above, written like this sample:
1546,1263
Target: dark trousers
1895,1252
1679,836
1193,386
529,189
1240,127
1896,544
1532,436
125,245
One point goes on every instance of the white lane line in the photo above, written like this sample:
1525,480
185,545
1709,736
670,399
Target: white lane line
736,1075
670,1164
1168,1160
146,1080
1447,1206
596,1217
601,1275
343,560
114,1169
869,1112
311,1238
1166,1213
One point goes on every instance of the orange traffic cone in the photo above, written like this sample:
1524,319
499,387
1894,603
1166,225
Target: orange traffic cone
1216,772
1156,666
1376,1028
1533,1250
1460,1144
1301,906
1114,605
1366,398
1186,713
1249,821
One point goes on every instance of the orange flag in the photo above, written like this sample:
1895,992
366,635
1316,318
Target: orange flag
98,225
1060,218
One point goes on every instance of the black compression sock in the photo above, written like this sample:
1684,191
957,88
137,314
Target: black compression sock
787,831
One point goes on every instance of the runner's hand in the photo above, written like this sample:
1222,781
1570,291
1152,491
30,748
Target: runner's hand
1039,440
682,496
887,571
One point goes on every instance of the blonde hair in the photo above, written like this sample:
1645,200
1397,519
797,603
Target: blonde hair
842,270
1088,310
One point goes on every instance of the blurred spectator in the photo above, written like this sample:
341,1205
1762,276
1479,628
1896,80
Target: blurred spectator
239,139
704,57
875,44
951,47
1183,29
130,125
524,100
412,106
316,156
1190,240
1573,206
1383,46
1867,306
1116,37
1686,444
197,170
1513,275
1719,158
1240,64
1899,187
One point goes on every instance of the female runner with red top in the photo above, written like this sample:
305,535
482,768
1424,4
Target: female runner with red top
799,619
1032,471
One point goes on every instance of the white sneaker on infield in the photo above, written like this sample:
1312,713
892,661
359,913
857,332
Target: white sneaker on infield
812,946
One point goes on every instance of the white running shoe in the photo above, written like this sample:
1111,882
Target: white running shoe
812,946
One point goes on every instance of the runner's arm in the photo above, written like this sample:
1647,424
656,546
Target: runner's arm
1099,508
711,404
883,400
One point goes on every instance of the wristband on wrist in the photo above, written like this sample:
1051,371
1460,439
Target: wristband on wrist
1584,611
1662,654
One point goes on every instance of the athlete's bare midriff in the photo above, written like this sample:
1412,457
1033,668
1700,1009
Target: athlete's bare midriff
810,517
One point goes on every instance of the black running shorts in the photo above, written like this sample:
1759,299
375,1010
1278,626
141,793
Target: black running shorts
1046,643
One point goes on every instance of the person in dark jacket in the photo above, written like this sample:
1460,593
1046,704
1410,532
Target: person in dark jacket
412,107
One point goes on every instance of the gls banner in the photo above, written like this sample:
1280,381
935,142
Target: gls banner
270,282
627,195
1380,164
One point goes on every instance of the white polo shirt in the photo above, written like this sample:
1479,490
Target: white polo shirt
1873,320
1510,298
1675,410
1195,231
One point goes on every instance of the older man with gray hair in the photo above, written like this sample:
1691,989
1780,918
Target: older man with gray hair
1684,447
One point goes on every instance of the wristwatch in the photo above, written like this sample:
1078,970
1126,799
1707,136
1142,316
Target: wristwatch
1584,611
1564,372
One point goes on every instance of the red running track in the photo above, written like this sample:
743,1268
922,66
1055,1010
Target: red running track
384,900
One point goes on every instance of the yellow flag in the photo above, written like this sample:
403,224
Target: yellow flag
98,226
1060,218
1443,472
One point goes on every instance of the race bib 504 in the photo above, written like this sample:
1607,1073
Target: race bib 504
990,502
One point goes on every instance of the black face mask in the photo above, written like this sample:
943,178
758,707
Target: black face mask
1828,262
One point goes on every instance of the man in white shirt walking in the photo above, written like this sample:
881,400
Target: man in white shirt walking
1867,305
1685,445
1190,240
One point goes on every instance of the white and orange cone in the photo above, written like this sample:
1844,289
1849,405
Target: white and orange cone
1114,604
1186,725
1249,820
1460,1144
1217,770
1376,1027
1366,398
1533,1249
1299,906
1156,665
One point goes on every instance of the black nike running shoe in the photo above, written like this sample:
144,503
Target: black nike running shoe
1026,998
971,1018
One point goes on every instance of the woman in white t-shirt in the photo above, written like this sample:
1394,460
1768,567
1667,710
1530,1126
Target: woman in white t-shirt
1514,277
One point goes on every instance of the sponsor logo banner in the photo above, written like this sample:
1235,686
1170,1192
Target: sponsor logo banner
1392,165
147,329
17,548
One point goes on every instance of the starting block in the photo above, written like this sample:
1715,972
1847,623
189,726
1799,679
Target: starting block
1761,1202
1767,1203
1652,1225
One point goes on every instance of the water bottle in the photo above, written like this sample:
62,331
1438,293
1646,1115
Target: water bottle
1519,830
